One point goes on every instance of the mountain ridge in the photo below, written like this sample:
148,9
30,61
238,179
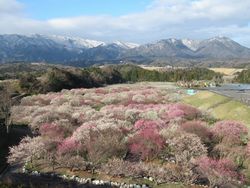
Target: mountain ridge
61,49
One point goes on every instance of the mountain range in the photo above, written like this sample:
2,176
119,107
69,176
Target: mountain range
61,49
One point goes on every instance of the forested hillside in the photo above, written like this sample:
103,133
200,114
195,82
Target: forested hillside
45,78
243,77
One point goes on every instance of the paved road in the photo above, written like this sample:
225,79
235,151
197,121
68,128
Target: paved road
238,92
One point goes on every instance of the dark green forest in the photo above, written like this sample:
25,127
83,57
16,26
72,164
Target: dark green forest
243,77
43,78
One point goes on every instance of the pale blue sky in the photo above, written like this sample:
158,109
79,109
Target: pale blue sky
46,9
139,21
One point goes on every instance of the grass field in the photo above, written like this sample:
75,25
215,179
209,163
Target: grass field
219,106
226,71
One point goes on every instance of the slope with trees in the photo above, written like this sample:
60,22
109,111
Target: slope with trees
132,132
243,77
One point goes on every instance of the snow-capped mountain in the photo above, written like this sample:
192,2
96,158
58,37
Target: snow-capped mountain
78,42
217,47
222,47
127,45
61,49
56,48
191,44
163,48
74,42
64,41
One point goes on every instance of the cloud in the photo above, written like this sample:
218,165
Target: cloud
161,19
9,7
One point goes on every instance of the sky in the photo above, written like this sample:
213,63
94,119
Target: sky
139,21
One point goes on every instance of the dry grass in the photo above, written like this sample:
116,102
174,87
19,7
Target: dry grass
226,71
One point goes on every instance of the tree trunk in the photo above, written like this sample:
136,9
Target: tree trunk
8,129
7,122
93,170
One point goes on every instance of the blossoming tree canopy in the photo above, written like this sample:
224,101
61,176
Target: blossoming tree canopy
133,131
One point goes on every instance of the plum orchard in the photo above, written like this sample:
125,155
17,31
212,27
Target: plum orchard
131,131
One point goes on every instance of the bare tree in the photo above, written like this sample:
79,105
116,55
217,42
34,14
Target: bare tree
5,105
